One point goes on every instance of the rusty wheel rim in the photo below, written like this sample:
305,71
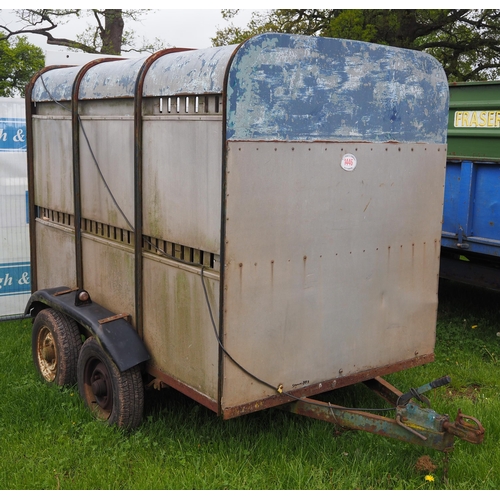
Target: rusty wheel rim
47,354
98,388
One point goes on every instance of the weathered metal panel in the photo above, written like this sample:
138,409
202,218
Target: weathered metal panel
108,274
99,82
53,163
112,79
332,213
116,164
190,72
182,180
177,328
328,272
55,85
55,247
311,88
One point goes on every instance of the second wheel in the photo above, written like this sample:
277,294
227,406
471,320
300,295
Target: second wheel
113,396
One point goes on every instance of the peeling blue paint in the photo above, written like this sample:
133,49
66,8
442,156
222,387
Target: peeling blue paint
113,79
55,84
287,87
190,72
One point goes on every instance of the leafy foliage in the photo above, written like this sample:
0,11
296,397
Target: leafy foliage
106,34
466,42
19,61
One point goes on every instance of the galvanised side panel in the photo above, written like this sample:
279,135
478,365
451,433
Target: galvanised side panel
53,163
116,165
474,121
182,180
55,248
328,272
108,274
178,332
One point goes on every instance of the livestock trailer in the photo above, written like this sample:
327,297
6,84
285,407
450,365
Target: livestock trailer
252,225
471,216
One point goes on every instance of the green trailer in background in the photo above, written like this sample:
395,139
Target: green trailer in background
471,214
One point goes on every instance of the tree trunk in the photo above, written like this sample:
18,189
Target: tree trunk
112,34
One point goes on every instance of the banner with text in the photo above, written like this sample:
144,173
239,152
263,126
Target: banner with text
14,231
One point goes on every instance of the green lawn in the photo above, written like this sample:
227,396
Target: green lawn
48,440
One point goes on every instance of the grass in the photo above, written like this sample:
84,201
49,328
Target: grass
48,440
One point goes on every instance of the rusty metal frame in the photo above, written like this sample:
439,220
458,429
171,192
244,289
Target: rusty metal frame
75,129
185,389
312,390
29,107
223,241
138,169
411,423
433,436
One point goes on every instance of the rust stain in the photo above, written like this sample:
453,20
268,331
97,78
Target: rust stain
325,386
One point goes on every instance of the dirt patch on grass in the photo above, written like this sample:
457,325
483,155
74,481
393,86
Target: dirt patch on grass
425,464
471,392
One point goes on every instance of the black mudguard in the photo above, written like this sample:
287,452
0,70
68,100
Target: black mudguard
117,336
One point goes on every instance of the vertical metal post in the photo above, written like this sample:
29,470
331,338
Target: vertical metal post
467,188
223,229
29,109
77,200
77,203
138,169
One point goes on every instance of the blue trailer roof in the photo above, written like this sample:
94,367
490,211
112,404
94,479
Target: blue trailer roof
192,72
189,72
288,87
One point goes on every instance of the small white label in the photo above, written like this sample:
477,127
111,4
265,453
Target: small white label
348,162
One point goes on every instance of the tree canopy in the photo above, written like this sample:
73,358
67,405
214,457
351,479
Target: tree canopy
20,60
106,35
466,42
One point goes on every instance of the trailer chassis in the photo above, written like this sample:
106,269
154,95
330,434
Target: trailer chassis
411,423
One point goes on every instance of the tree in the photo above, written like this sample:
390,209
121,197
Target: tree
106,36
19,62
466,42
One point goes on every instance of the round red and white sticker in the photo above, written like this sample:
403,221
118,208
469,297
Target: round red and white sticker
348,162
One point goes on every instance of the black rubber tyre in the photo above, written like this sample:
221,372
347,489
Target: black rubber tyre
112,396
55,345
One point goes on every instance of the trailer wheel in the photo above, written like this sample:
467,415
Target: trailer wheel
113,396
55,345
